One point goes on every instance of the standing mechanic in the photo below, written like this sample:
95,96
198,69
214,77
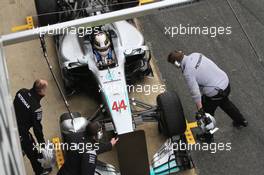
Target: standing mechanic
83,162
209,85
29,114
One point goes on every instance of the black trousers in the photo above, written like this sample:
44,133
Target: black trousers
221,99
27,144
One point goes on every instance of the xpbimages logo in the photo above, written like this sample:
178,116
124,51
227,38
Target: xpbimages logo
80,147
80,31
211,31
145,89
212,147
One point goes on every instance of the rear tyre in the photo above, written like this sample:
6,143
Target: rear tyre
44,7
128,3
123,4
172,121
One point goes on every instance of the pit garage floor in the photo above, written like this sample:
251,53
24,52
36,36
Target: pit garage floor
26,63
234,55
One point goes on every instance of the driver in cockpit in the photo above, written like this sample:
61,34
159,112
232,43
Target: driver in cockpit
102,49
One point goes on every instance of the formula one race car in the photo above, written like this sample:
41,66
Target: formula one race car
114,54
118,44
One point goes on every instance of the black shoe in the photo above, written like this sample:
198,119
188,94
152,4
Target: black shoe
244,123
46,171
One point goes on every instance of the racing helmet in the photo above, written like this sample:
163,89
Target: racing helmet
102,44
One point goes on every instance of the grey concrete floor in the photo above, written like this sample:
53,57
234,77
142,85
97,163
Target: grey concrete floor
235,56
25,64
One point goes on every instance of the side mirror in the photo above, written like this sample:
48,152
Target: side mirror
83,60
131,52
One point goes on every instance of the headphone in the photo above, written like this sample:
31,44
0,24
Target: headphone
177,64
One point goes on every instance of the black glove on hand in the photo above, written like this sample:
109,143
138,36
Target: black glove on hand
200,114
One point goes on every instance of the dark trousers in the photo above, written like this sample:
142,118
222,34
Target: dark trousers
33,155
221,99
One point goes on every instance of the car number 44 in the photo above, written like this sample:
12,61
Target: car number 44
119,106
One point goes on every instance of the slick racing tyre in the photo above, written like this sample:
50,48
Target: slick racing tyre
44,8
172,121
123,4
128,3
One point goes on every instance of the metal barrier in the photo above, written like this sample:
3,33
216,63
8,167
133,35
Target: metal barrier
11,160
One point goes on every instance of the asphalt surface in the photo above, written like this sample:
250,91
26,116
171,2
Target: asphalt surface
235,56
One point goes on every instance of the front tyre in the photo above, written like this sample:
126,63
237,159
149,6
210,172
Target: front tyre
172,121
45,11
